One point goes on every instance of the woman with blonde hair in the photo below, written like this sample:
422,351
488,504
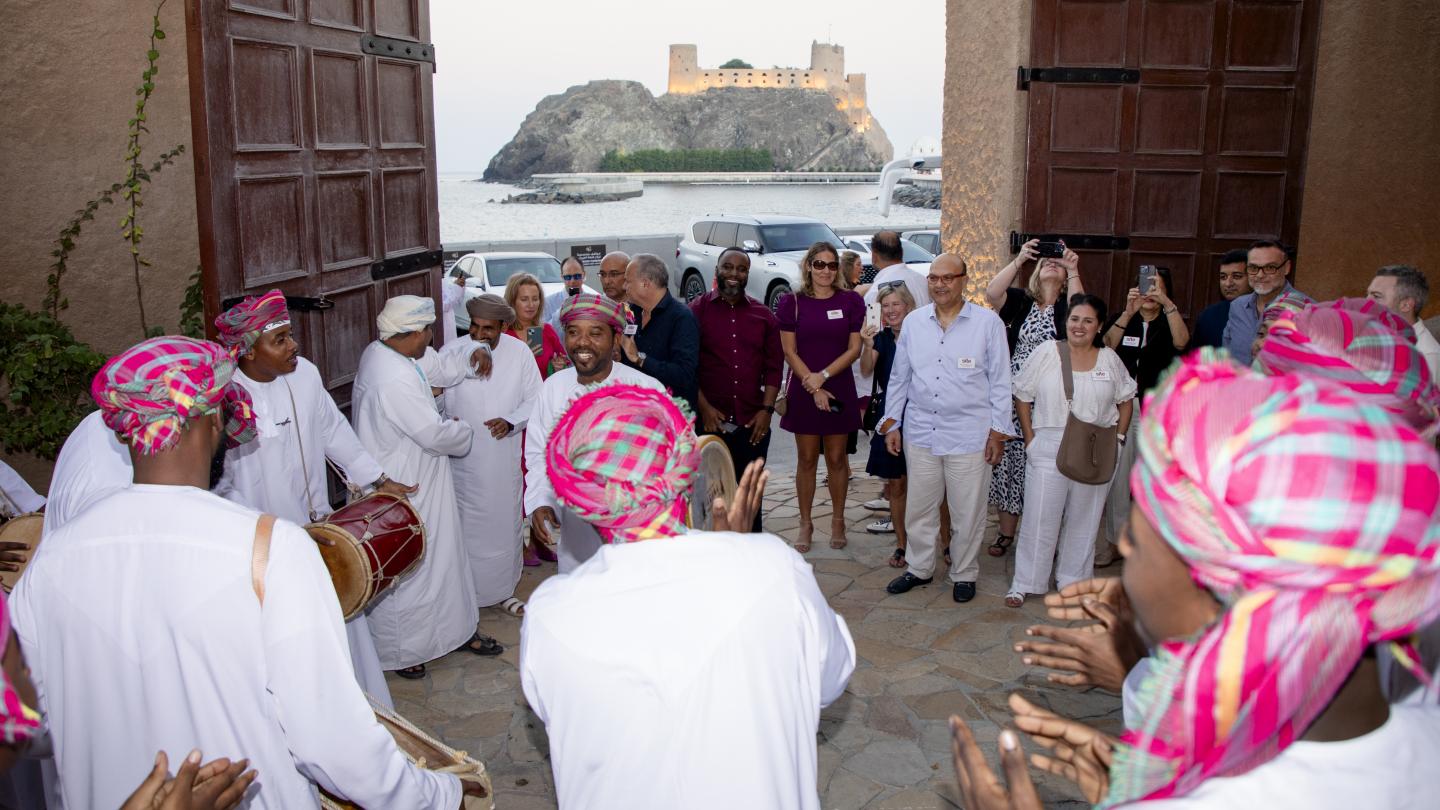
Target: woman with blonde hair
876,357
820,334
525,295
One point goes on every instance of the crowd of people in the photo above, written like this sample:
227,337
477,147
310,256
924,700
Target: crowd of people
1275,622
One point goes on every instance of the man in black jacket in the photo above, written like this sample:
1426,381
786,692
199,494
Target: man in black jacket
666,343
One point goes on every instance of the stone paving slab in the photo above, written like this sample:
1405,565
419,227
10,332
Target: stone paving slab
885,745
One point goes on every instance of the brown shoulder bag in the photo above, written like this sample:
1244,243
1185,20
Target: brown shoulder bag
1087,452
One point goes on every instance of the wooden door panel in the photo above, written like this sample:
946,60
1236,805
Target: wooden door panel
1203,154
315,162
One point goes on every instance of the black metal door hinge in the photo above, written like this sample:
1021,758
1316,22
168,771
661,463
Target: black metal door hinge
398,49
297,303
404,265
1075,75
1074,241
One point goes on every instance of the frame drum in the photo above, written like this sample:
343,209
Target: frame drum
714,478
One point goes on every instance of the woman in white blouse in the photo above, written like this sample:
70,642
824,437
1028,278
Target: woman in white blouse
1059,511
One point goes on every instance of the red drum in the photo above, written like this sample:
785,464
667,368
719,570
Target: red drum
377,540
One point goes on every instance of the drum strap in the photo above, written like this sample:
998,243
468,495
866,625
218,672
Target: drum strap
260,555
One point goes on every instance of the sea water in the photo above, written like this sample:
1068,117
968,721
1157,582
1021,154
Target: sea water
471,211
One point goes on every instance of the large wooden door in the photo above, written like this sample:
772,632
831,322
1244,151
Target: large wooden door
315,162
1192,144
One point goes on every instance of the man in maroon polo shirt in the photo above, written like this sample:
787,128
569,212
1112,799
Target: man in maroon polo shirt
740,363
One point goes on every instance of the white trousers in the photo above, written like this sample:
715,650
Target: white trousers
964,480
1057,511
1117,504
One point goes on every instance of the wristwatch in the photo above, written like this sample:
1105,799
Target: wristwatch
824,373
1122,437
768,408
641,359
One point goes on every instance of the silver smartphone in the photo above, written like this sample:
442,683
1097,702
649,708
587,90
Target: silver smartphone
1147,278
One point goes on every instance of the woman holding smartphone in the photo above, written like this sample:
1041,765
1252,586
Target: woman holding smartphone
820,334
876,357
525,295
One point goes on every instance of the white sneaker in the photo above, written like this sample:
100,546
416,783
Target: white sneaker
881,527
877,505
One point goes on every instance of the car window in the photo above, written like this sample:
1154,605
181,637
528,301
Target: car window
747,232
544,268
462,267
723,235
915,253
928,241
797,236
854,244
702,231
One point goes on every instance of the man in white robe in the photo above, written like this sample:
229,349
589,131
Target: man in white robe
431,611
92,464
591,324
153,621
488,479
299,426
675,669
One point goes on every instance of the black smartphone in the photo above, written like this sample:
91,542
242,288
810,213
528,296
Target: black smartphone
835,406
1050,250
535,336
1147,278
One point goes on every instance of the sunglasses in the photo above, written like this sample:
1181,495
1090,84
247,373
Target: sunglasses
891,285
818,265
573,276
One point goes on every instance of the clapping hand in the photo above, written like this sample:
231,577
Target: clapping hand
739,514
217,785
1098,654
1080,753
13,555
980,788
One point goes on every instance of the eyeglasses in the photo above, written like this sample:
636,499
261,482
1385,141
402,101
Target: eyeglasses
1265,269
946,280
818,265
573,276
889,285
612,274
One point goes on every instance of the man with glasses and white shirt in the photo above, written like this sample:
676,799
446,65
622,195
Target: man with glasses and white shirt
950,396
1267,266
572,272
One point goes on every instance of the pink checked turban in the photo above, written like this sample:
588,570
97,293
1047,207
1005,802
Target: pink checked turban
147,393
1312,516
241,325
1361,346
591,307
621,457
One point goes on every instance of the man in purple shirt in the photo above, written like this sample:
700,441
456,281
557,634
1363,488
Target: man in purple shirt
740,363
949,396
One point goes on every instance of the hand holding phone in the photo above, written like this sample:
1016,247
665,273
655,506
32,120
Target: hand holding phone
1147,278
1050,250
872,315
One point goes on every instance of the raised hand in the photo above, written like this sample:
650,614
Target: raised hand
739,514
980,788
1081,754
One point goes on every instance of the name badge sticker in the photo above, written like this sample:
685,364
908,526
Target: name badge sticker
1101,375
835,314
965,362
631,330
1130,340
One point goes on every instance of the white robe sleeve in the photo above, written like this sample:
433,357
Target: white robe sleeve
412,411
538,491
529,381
18,492
835,646
447,369
343,447
329,726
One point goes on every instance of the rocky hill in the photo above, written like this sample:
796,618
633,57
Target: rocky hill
572,131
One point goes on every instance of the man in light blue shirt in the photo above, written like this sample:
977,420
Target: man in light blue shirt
1267,266
572,272
949,395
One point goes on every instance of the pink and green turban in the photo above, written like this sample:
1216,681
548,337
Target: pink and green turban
18,723
1361,346
150,391
241,325
591,307
621,457
1312,517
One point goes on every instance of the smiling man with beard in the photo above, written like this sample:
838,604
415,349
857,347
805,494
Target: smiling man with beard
298,425
592,325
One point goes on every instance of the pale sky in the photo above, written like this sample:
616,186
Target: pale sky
498,58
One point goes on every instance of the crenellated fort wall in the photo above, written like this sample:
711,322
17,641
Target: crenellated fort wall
826,72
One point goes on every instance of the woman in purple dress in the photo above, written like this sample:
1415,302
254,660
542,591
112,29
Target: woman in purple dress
820,332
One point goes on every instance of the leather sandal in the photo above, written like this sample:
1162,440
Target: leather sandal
414,673
488,646
1001,545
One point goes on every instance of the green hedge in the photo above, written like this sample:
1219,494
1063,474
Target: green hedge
688,160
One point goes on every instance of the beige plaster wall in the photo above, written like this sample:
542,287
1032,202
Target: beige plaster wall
1372,184
984,132
68,91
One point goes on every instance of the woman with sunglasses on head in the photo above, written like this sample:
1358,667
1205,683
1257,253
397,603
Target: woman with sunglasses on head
524,294
820,334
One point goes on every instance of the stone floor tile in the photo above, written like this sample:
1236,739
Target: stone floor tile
848,791
888,761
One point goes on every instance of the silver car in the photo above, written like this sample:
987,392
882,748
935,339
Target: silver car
488,272
916,257
929,240
776,245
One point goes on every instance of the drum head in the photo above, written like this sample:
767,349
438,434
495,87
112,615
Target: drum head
25,529
714,478
349,568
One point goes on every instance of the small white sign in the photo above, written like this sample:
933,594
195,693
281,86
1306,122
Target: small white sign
835,314
1130,340
1101,375
965,362
631,329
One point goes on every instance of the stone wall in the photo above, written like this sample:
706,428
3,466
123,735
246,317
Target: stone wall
1372,184
983,184
69,90
826,72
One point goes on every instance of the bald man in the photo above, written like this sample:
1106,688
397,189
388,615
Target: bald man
612,275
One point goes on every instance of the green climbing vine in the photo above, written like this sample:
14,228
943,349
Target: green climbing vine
136,175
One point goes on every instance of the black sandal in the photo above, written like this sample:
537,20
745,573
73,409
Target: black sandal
414,673
488,646
1001,545
897,560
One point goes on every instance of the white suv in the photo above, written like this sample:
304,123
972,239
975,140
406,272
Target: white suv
488,272
776,245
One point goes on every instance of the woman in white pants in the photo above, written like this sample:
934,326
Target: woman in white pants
1059,511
